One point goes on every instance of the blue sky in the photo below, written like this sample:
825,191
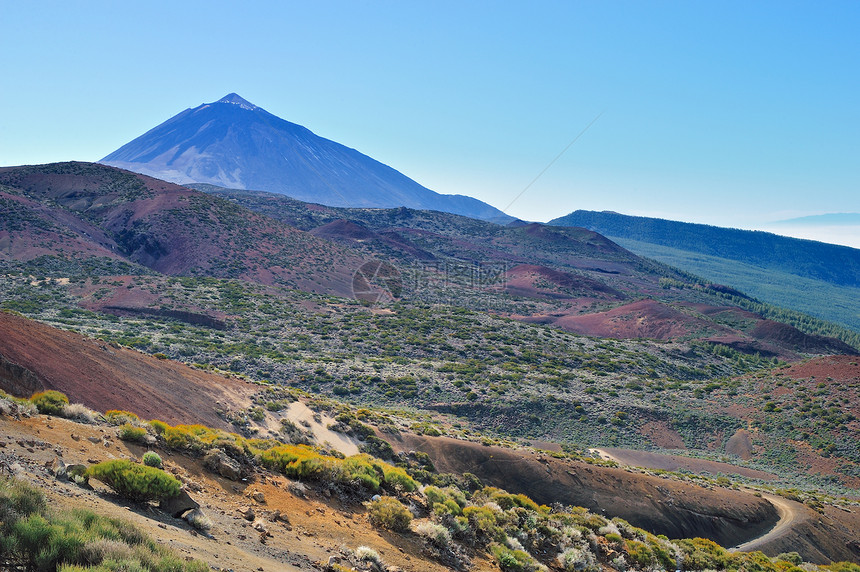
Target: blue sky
729,113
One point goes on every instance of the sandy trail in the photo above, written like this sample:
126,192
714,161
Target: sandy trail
787,516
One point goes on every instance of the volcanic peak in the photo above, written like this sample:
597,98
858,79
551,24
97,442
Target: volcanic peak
236,99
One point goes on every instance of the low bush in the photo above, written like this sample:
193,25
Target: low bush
485,522
79,412
32,537
119,417
515,560
128,432
304,463
152,459
50,402
296,462
368,554
578,560
135,482
435,533
158,426
388,512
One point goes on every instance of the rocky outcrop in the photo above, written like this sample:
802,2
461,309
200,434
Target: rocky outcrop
178,505
219,462
18,380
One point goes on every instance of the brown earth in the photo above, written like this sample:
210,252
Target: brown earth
661,505
661,434
740,444
827,369
540,281
650,460
99,210
35,357
641,319
791,338
313,528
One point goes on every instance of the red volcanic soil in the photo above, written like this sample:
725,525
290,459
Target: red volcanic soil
791,338
748,345
35,357
571,235
168,228
46,231
540,281
840,369
344,229
642,319
662,435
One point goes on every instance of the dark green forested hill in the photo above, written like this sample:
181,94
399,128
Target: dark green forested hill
808,258
814,277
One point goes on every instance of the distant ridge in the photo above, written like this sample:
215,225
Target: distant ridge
824,219
233,143
808,276
828,262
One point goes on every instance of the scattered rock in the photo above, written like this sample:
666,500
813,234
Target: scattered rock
179,504
57,468
198,519
260,527
259,497
279,516
75,437
94,440
218,461
247,512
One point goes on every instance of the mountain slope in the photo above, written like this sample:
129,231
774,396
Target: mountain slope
69,211
818,278
235,144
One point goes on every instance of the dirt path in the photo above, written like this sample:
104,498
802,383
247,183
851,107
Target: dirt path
788,515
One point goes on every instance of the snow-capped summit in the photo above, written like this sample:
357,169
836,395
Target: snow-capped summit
236,99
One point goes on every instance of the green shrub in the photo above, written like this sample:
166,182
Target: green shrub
388,512
158,426
18,499
639,554
152,459
118,417
77,540
128,432
449,500
485,521
135,482
50,402
514,560
177,438
704,554
296,461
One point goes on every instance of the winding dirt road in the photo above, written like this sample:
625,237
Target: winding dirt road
787,516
